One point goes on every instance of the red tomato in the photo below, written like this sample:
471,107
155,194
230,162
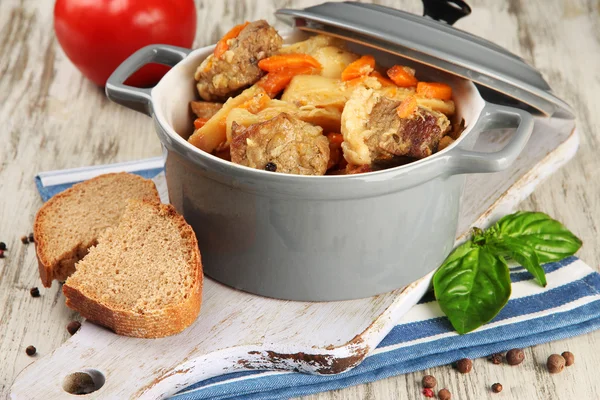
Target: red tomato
97,35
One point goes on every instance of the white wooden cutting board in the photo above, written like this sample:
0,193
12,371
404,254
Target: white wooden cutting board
239,331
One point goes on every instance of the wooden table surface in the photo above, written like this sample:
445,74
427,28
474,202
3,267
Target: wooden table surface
53,118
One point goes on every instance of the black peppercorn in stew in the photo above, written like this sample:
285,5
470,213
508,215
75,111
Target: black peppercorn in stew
313,107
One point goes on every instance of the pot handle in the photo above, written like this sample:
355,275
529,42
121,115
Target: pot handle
494,116
139,99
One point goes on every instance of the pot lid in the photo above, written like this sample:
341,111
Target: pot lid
501,76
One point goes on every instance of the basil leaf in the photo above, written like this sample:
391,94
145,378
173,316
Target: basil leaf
471,286
548,237
521,253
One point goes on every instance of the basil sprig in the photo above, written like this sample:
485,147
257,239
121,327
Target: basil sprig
473,284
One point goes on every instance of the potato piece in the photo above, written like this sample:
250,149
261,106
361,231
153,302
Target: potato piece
317,91
242,117
278,106
209,136
445,142
444,106
397,93
310,45
328,118
333,60
205,109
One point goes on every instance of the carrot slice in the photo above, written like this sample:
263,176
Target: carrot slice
209,65
382,79
274,82
335,149
335,139
343,163
385,82
402,76
356,81
288,61
199,122
434,90
222,45
335,155
361,67
407,107
257,103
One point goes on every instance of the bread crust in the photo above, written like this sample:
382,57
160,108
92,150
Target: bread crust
155,323
64,266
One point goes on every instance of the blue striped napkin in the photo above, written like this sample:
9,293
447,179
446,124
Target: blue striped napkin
423,338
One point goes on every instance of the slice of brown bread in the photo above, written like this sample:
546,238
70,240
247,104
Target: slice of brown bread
70,222
144,277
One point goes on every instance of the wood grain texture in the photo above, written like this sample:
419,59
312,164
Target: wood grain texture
53,118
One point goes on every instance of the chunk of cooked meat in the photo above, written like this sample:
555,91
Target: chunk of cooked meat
205,109
373,131
288,144
416,136
220,78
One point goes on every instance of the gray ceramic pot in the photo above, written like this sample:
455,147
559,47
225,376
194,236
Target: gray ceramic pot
314,238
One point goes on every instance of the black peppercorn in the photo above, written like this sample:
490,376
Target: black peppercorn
2,246
569,358
444,394
515,356
496,387
73,327
24,240
496,358
429,381
464,366
555,363
34,292
30,350
272,167
30,238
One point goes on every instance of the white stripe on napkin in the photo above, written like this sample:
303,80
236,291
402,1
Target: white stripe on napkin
53,178
508,321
